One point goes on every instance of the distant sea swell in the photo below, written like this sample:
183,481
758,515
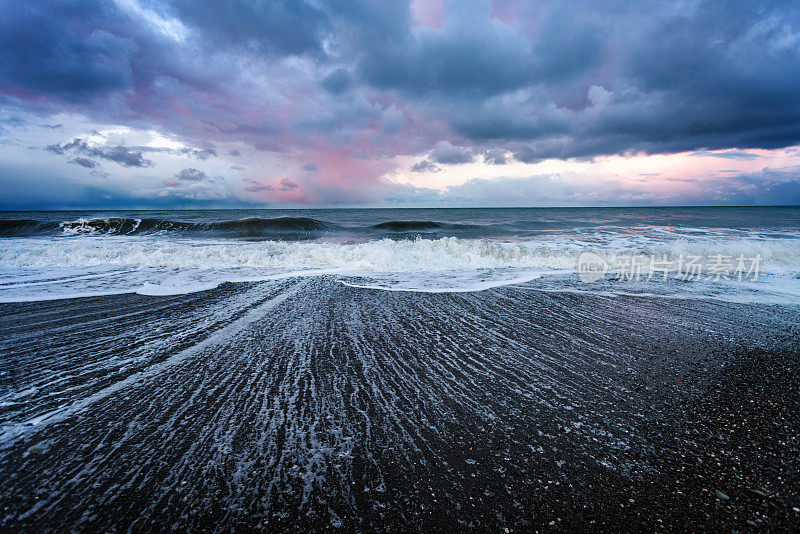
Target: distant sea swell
251,226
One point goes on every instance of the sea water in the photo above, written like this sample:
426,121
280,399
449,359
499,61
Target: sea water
56,255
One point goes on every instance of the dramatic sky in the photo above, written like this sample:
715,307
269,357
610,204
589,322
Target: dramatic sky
181,103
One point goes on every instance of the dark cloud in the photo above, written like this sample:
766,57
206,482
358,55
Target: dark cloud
310,167
526,154
564,80
192,175
338,81
392,120
339,118
258,187
123,155
85,162
425,166
447,154
55,48
474,54
608,78
515,117
287,185
335,81
119,154
199,153
116,63
282,27
495,156
55,149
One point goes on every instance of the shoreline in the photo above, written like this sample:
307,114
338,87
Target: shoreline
308,404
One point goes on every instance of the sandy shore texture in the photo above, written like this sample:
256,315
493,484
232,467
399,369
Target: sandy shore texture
304,404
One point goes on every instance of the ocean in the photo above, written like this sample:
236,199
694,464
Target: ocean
50,255
424,370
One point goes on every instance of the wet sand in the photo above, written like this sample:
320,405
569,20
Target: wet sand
305,404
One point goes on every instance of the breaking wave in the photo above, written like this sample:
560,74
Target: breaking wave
121,226
159,256
275,228
239,227
385,255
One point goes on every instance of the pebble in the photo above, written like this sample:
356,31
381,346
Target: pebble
721,496
758,491
39,448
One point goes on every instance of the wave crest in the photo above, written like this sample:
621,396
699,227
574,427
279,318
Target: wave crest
121,226
268,228
252,226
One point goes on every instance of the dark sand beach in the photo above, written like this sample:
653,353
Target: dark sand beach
304,404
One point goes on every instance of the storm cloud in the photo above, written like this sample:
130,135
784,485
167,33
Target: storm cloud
343,83
425,166
120,154
447,154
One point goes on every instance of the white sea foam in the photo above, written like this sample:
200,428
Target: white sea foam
46,268
778,255
439,282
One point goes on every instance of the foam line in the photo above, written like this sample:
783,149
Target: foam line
11,433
